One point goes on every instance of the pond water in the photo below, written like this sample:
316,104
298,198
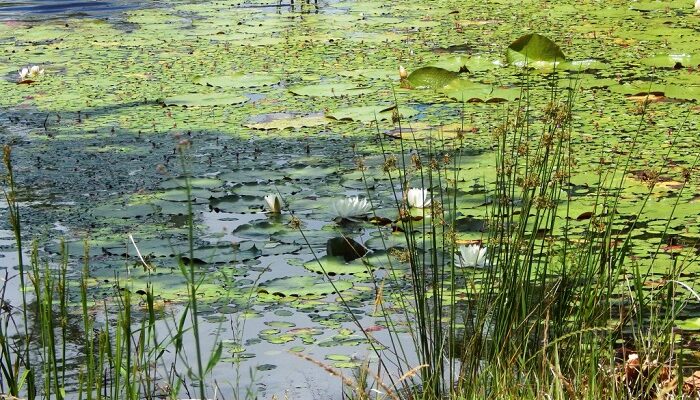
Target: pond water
43,9
300,101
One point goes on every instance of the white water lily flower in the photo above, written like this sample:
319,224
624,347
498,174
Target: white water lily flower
418,198
274,203
23,73
351,207
697,5
30,72
35,70
473,256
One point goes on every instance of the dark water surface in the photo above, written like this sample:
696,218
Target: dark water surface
41,9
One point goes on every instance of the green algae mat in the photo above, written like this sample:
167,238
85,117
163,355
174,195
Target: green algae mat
305,103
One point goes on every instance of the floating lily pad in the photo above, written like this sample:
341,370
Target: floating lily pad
681,92
205,99
236,204
345,248
130,211
297,286
285,121
582,65
330,90
431,77
673,61
535,51
200,183
467,64
464,90
238,80
223,254
371,113
332,266
692,324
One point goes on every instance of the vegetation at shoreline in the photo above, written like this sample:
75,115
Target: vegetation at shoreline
424,202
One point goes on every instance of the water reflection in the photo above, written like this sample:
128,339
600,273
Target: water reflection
40,9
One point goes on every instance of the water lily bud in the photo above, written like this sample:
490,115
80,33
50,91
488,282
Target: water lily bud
274,203
403,74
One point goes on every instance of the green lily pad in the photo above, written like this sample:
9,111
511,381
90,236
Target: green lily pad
129,211
238,80
692,324
199,183
467,64
332,265
464,90
370,113
279,121
205,99
298,286
681,92
535,51
431,77
330,90
675,61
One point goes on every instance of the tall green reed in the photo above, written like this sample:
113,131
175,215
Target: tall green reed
124,354
545,319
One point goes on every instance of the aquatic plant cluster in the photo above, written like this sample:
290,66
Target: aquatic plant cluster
445,202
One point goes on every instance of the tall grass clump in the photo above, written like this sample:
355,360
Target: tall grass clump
555,308
120,351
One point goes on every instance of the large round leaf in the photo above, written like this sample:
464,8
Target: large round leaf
467,64
205,99
297,286
431,77
534,50
464,90
370,113
330,90
285,121
238,80
673,61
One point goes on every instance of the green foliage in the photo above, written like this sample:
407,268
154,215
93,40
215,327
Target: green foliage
535,51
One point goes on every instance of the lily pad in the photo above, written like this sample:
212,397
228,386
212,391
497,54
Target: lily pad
371,113
131,211
467,64
464,90
692,324
298,286
675,61
205,99
330,90
332,265
535,51
279,121
431,77
238,80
